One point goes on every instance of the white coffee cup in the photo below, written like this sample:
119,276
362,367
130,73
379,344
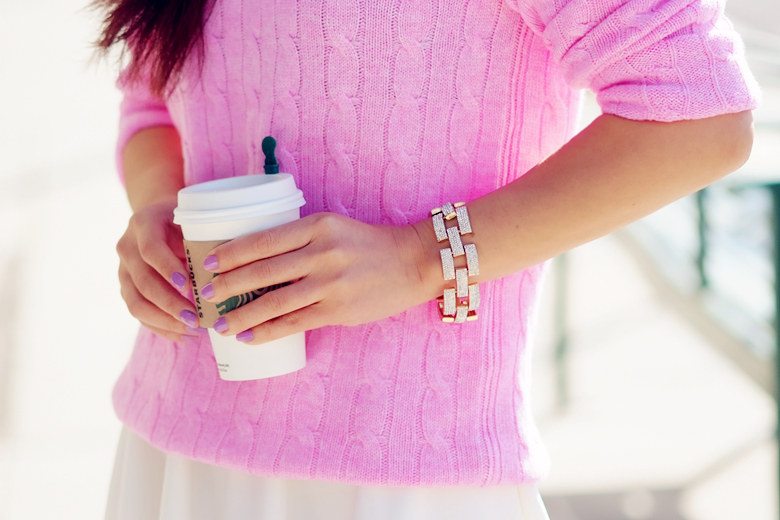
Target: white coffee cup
214,212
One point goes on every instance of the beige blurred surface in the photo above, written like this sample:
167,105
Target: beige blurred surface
659,426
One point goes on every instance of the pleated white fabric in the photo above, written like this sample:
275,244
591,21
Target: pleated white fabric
147,483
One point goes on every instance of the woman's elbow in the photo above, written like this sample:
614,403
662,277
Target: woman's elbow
736,141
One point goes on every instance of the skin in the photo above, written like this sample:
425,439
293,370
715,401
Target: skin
611,173
151,249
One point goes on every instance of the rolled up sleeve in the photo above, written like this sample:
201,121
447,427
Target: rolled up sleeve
139,108
661,60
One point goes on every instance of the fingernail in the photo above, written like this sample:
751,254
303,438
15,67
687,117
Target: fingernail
210,262
245,335
207,291
189,318
178,279
221,325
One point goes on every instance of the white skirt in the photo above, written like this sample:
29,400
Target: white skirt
152,484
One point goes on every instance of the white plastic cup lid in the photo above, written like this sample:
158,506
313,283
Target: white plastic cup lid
237,197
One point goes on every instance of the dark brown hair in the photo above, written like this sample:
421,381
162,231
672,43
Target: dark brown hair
159,34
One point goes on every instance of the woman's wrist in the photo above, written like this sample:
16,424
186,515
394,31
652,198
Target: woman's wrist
153,167
423,256
145,189
169,199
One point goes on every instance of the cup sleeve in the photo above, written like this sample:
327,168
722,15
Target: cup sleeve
139,108
661,60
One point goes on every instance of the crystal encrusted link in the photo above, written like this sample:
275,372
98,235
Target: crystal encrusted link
447,263
461,283
461,313
449,301
456,245
472,260
473,297
439,227
448,210
464,223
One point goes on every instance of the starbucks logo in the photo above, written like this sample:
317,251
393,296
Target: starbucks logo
235,302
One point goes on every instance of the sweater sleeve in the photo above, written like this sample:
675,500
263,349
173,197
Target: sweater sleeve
662,60
138,109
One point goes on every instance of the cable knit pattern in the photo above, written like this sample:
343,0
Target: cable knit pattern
647,59
383,110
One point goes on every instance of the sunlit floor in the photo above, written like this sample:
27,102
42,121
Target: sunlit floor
659,425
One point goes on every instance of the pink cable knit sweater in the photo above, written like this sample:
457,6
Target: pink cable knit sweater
383,110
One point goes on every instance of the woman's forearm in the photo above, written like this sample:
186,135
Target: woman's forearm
153,167
613,172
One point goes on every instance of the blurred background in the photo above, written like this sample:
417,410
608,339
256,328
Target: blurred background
655,358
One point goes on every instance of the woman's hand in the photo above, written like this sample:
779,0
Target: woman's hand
151,257
343,272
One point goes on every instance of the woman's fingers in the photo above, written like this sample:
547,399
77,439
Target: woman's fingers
165,333
263,244
306,318
153,246
175,243
261,273
170,335
268,306
144,310
155,290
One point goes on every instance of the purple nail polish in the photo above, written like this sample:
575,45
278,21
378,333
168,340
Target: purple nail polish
245,335
189,318
207,291
210,262
221,325
178,279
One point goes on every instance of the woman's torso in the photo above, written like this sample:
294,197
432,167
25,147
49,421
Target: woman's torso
381,110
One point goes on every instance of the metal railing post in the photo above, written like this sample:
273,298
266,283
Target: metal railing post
775,191
702,230
561,329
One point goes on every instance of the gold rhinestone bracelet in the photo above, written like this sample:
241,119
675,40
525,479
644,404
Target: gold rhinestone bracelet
459,303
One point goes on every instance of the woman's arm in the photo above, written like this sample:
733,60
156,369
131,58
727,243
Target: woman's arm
151,256
349,272
671,79
152,166
611,173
